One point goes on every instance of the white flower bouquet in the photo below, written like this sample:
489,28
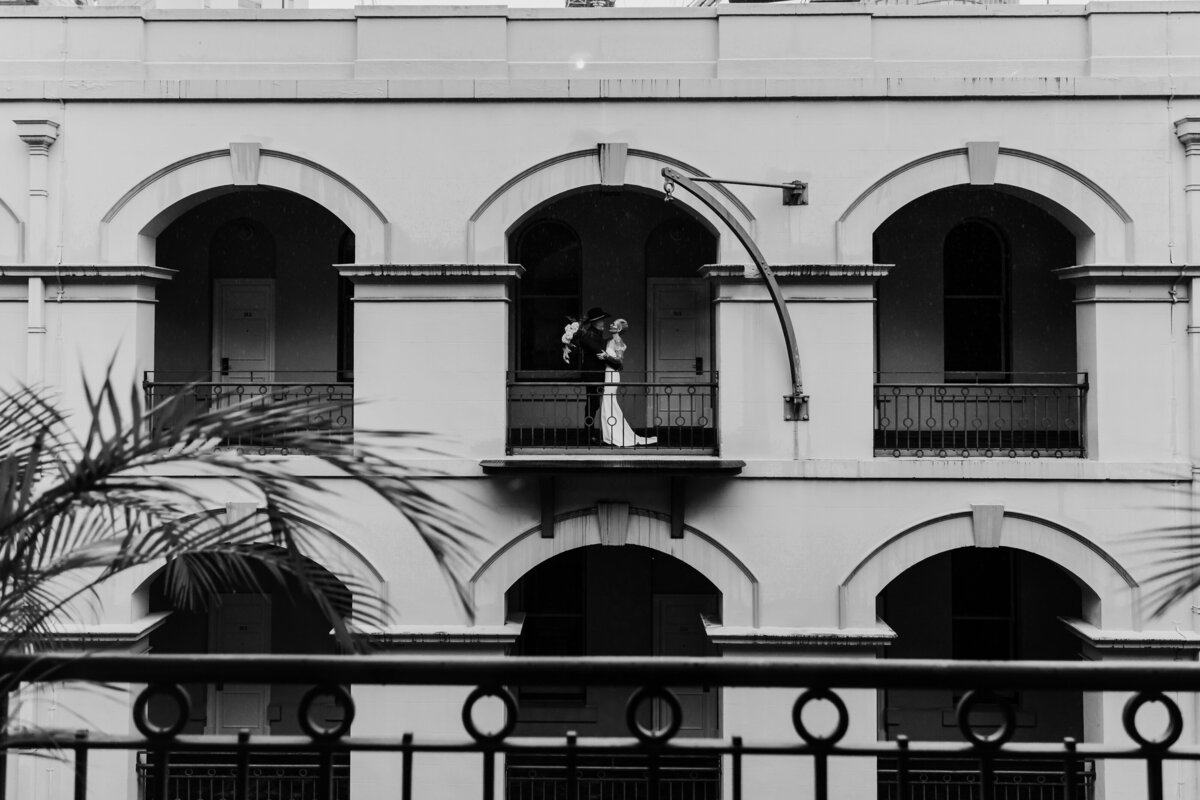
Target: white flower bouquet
570,332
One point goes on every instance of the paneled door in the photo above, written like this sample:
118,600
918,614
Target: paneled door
239,623
679,631
679,349
243,328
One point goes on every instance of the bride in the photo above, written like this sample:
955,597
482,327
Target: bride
613,425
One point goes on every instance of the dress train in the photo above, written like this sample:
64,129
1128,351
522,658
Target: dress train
613,425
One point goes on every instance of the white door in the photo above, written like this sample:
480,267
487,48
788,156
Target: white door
680,350
239,623
243,329
679,631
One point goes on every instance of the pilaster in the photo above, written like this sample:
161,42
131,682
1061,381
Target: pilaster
39,135
832,309
432,351
1130,324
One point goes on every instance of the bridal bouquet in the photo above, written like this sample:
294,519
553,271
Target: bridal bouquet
570,332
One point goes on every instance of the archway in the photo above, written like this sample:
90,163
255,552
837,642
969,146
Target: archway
1103,230
611,165
638,258
615,524
975,332
1111,597
255,310
994,604
130,227
612,601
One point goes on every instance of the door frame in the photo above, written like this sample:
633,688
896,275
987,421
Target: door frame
212,704
218,286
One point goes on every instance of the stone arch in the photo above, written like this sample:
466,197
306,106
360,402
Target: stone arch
1112,598
1103,229
12,235
128,229
342,559
488,227
582,528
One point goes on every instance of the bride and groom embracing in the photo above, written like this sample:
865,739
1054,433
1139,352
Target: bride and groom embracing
602,361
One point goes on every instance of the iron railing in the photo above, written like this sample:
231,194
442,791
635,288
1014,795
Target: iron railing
555,412
1011,782
214,776
1037,415
331,398
611,778
985,716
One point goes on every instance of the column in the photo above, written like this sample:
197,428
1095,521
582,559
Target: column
39,135
833,313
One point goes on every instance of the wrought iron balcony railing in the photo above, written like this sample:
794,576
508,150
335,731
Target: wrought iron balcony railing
556,412
654,759
331,397
268,776
965,415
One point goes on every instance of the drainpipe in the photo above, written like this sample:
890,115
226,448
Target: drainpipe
1188,131
38,135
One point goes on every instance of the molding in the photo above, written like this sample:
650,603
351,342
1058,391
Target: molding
1132,640
796,273
444,635
1128,273
667,465
155,176
774,637
39,134
114,273
386,273
108,634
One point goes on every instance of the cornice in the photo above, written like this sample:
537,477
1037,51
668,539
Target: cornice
774,637
1132,640
1128,273
799,273
114,273
427,273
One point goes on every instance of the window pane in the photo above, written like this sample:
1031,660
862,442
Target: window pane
973,261
974,334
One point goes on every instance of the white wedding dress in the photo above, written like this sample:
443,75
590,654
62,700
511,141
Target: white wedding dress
613,425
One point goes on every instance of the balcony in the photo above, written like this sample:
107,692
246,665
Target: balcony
981,754
332,398
990,415
548,413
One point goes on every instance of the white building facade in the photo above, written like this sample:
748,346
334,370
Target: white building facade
991,289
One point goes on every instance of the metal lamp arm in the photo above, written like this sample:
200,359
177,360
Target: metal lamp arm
796,404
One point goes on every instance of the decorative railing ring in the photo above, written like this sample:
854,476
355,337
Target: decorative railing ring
341,697
1008,725
663,734
141,708
839,729
1174,720
510,713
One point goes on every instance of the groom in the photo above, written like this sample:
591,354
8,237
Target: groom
592,343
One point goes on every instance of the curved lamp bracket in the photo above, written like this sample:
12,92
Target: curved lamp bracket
795,193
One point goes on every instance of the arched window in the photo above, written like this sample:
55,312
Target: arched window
975,299
549,292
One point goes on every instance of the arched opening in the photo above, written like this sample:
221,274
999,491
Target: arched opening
997,604
247,617
637,258
256,310
611,601
975,333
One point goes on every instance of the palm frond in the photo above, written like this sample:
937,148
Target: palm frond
75,510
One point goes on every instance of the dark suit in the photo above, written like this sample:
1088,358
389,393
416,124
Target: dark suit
591,343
